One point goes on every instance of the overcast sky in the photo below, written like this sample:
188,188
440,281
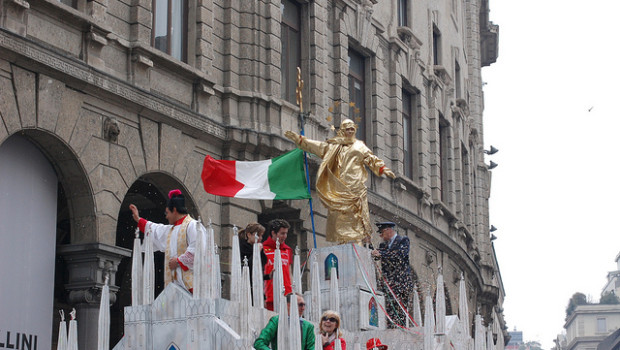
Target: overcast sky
551,107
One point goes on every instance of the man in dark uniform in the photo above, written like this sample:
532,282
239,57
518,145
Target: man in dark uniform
394,255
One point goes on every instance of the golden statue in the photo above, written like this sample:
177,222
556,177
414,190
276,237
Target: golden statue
341,181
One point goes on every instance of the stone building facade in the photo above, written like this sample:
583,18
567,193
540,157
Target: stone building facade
125,98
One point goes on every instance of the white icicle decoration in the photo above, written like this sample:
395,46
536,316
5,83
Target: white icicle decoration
246,300
62,332
148,275
294,326
103,331
200,270
334,293
136,271
296,272
257,275
440,301
235,268
72,341
315,311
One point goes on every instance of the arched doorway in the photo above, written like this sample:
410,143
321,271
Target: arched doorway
28,210
38,215
149,193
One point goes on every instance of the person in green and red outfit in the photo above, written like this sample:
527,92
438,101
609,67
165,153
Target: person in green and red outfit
268,338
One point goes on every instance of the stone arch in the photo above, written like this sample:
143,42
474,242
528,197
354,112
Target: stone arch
79,219
149,193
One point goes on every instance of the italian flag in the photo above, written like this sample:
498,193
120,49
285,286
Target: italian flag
282,177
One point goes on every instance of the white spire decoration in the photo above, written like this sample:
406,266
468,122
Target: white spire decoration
315,311
148,275
217,273
246,301
296,272
294,327
440,304
257,275
337,343
490,345
417,313
72,341
278,278
283,327
62,332
103,332
429,322
317,336
200,267
136,271
210,264
463,307
479,334
334,295
235,268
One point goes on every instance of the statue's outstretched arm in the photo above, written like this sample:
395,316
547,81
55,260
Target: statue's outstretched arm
315,147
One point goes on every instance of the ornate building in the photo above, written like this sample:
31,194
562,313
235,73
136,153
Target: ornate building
112,102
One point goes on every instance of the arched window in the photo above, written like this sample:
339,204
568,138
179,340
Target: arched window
331,262
373,313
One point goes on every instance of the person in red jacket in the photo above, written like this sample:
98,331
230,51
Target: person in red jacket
278,231
330,331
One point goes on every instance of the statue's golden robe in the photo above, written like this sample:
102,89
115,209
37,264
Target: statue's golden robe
341,185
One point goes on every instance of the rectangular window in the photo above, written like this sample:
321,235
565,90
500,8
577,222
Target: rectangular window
443,157
290,28
170,27
436,46
457,79
601,325
410,132
407,135
357,92
465,190
402,13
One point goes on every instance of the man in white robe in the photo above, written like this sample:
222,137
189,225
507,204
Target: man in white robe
177,240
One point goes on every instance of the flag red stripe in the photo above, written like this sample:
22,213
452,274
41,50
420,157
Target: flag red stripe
219,177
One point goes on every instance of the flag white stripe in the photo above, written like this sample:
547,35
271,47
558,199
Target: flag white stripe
254,175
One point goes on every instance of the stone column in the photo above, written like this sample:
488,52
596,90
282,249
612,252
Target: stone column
87,266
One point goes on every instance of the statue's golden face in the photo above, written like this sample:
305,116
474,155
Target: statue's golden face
349,132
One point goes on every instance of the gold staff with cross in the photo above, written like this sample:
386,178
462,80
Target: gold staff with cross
302,119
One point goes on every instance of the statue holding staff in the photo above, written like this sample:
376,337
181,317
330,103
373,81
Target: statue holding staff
341,181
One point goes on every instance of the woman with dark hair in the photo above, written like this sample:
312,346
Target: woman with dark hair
252,233
330,331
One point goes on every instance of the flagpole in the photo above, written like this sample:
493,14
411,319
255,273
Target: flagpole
302,120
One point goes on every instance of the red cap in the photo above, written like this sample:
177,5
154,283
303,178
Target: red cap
174,193
375,343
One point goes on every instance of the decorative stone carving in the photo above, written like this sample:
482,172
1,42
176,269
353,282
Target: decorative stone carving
429,258
364,19
95,40
111,129
141,69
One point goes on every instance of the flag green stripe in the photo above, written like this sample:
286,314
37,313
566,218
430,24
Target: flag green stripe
287,178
